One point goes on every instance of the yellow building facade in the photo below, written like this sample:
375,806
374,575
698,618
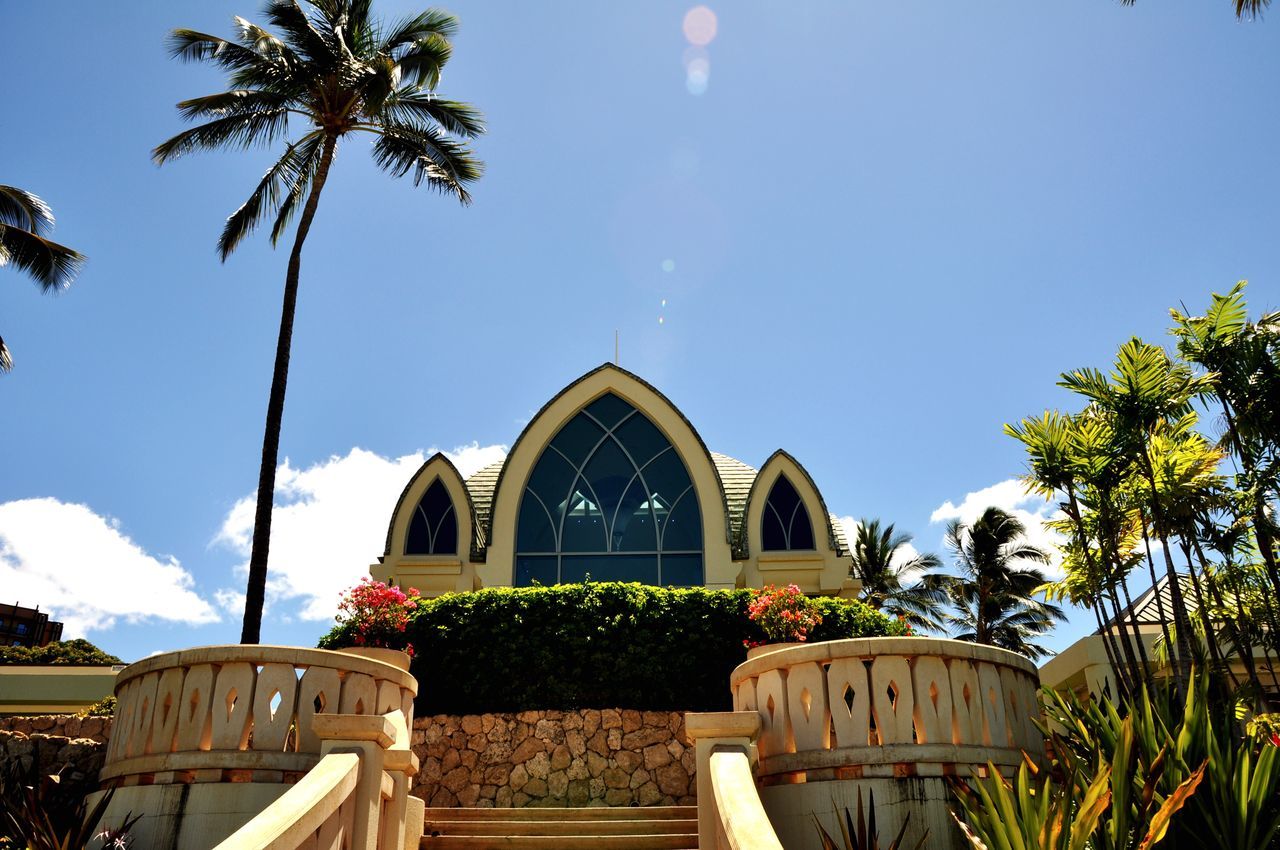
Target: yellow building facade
610,481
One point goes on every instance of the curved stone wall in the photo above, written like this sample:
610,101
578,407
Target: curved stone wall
880,722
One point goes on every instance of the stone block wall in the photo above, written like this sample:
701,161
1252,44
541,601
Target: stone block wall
586,757
60,725
50,754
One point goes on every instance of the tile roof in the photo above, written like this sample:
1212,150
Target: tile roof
737,478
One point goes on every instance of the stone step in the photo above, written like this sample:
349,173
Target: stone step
595,828
539,813
560,842
665,826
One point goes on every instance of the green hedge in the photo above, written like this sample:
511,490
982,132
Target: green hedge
594,645
78,652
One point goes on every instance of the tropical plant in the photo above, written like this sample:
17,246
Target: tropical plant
76,652
25,225
994,594
890,570
863,833
46,813
1158,744
340,71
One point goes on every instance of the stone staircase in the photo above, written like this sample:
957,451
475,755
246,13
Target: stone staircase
594,828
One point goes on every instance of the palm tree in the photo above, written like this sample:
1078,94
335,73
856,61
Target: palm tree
1251,9
25,222
882,560
340,71
994,593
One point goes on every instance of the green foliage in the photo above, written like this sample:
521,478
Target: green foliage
593,645
47,813
863,834
105,707
1157,770
78,652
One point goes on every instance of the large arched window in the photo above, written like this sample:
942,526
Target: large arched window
786,520
434,527
609,498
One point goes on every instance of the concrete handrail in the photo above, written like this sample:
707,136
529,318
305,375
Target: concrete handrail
311,807
743,822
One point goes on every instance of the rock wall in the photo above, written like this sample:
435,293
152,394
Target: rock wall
60,725
614,757
50,754
587,757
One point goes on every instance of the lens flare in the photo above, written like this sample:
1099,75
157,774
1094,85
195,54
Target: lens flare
700,25
668,266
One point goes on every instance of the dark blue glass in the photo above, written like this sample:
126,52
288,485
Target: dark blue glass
682,571
433,530
641,568
529,570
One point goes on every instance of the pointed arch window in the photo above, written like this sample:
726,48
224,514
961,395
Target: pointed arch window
611,499
434,527
786,520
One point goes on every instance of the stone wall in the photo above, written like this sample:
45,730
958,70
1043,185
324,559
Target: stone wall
49,754
586,757
63,725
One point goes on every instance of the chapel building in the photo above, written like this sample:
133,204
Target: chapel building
610,481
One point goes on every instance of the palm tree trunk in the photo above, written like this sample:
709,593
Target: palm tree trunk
1232,626
1261,533
1137,636
1182,623
1108,644
1151,567
1202,605
255,592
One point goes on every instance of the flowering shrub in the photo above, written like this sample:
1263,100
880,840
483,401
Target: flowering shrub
783,614
374,614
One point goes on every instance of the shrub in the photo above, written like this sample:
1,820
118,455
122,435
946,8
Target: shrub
593,645
78,652
105,707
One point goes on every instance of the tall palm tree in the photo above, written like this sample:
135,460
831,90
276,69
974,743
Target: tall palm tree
336,70
994,592
891,576
25,225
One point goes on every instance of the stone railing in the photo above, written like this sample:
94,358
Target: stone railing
888,707
355,798
239,713
730,814
205,739
883,720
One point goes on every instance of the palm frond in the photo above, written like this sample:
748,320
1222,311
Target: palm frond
6,359
234,102
421,64
314,44
442,163
242,130
459,119
265,197
410,31
20,208
309,161
52,265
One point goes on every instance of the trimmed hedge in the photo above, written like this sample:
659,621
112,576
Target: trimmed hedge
78,652
593,645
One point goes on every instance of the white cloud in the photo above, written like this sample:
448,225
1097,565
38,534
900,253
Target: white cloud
329,523
1010,495
84,570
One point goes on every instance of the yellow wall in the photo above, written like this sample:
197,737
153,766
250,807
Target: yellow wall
53,689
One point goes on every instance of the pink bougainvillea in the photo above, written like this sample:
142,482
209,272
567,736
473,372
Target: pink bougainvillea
377,614
783,614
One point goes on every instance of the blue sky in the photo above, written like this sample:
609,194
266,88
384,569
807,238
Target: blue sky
880,232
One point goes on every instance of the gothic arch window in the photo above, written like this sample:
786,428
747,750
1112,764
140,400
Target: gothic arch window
433,530
611,499
786,520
